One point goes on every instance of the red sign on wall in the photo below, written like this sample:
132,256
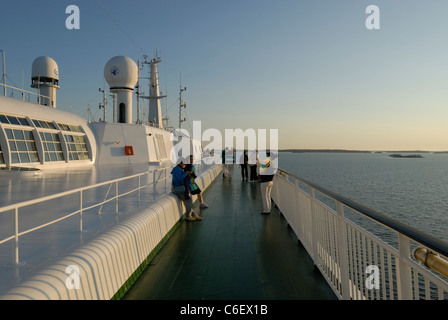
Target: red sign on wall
129,150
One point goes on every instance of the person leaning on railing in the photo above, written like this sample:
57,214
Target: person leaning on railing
179,187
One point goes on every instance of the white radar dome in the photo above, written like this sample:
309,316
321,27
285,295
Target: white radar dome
121,72
44,68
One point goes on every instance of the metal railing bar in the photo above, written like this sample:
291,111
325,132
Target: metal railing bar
7,239
66,193
48,223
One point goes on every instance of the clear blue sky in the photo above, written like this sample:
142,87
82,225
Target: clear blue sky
310,69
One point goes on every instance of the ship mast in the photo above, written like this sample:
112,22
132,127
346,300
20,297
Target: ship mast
155,110
181,105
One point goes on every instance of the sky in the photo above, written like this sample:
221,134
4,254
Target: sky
311,69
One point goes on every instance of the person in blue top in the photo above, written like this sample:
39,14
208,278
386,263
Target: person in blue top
194,188
180,187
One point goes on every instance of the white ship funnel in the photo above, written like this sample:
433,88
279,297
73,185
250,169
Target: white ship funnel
45,77
121,73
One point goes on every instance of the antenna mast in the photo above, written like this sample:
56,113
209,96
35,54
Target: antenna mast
181,104
155,110
4,73
104,105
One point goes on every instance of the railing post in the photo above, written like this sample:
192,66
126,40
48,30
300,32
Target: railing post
16,238
154,182
139,186
116,196
314,227
166,177
343,253
404,270
297,214
80,210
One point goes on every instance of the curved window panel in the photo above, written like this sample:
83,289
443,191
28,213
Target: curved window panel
24,158
12,146
18,135
52,147
9,134
77,147
70,127
22,146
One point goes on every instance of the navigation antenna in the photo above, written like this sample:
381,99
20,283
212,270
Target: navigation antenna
4,73
181,105
155,110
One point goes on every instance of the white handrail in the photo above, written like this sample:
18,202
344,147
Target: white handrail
356,263
23,91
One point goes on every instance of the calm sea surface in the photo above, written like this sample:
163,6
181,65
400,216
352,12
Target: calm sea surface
411,190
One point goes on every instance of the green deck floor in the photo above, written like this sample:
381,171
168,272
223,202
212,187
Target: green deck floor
234,253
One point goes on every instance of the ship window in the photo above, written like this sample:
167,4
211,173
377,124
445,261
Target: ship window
14,120
44,124
52,146
77,148
69,127
9,134
3,119
18,134
22,146
23,121
37,123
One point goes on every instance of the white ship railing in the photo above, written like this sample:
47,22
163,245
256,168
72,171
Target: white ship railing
361,253
24,94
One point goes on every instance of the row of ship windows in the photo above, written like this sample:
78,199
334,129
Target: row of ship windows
22,121
23,148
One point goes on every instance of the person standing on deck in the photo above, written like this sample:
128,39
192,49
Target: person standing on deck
227,160
253,161
243,163
267,171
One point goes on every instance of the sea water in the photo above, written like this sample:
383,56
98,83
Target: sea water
411,190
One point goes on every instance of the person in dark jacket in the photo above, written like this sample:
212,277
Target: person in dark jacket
244,160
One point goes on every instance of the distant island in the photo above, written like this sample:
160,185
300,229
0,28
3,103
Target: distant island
324,150
397,155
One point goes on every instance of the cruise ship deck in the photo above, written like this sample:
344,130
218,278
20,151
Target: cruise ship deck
234,253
